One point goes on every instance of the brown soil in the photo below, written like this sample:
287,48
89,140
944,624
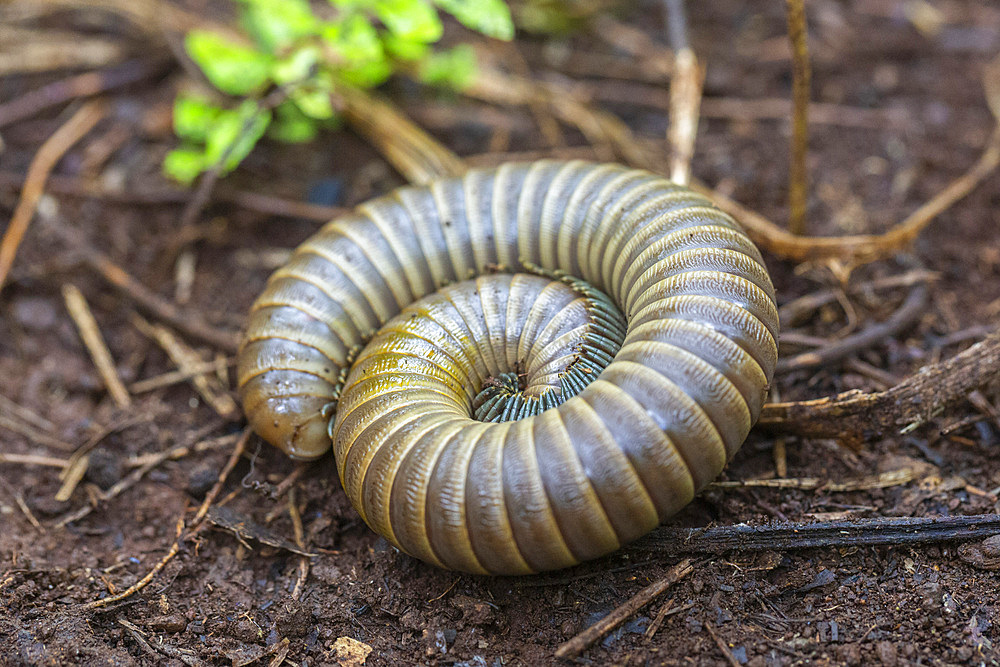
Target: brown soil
221,602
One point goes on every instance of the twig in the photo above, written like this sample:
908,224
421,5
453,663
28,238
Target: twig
855,416
128,481
881,481
26,415
175,377
34,185
71,476
658,620
685,95
881,531
796,310
158,647
286,484
80,85
142,583
251,201
33,434
578,644
180,451
798,179
21,504
28,50
78,309
296,517
904,316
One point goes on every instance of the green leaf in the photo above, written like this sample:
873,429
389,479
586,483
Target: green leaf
490,17
232,68
296,67
184,164
354,39
455,68
291,125
193,117
235,134
409,19
314,102
276,24
367,75
405,49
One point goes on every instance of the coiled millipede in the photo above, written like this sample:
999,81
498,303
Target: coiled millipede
576,476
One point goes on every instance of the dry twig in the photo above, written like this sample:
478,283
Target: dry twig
159,307
578,644
34,185
798,179
187,359
79,85
685,95
913,307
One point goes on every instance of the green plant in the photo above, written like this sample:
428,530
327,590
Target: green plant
306,56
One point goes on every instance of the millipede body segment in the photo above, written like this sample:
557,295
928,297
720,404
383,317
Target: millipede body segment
557,356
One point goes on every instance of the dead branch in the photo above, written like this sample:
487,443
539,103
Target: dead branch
854,416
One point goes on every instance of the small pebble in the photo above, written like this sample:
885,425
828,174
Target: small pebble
105,468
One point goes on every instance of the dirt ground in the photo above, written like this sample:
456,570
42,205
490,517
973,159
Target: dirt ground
902,114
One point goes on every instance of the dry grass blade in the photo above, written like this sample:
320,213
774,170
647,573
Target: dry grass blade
187,359
78,309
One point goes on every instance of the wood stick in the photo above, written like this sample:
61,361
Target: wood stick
80,85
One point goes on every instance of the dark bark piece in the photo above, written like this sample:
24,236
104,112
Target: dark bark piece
880,531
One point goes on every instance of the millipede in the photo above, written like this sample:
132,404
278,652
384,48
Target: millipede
520,368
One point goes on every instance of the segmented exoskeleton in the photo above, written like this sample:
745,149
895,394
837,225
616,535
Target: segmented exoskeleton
587,467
